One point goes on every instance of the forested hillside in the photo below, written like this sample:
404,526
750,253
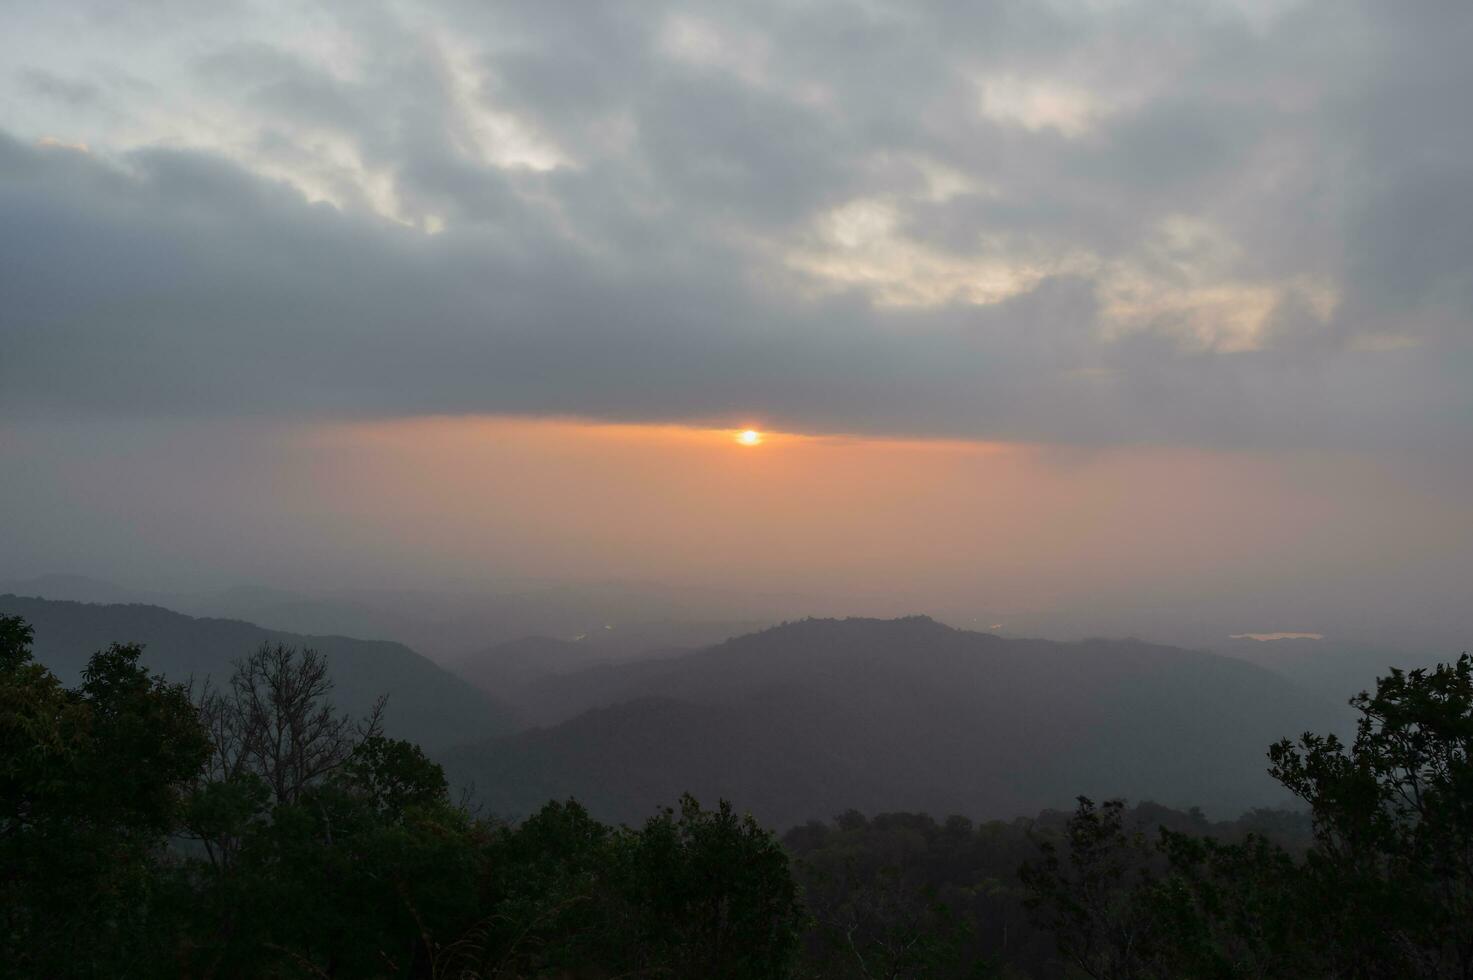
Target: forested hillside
255,831
804,720
429,704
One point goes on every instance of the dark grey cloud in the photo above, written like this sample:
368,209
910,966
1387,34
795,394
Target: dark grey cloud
1204,227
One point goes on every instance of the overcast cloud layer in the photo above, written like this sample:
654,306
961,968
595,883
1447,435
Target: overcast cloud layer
1212,224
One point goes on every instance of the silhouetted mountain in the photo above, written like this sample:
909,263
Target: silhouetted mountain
276,609
427,704
536,674
448,627
810,718
74,588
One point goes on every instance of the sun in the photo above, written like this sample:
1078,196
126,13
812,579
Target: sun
749,437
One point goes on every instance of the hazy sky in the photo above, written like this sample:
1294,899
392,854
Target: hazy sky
1060,305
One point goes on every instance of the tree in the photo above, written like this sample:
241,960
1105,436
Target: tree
1230,910
886,929
332,850
91,785
273,732
275,721
333,885
692,893
394,776
716,894
556,900
1392,864
1090,897
1384,891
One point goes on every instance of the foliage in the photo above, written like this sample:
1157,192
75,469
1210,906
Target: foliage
262,833
309,845
1384,890
91,784
394,776
901,895
275,721
1091,902
1393,819
713,894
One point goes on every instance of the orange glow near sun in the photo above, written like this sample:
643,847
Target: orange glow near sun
749,437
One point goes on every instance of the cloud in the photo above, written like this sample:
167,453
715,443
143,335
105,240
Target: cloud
1056,222
39,82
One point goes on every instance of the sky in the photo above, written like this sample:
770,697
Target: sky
1110,305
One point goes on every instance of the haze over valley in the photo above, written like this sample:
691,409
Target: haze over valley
899,714
670,489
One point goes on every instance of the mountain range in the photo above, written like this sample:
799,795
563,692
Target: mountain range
450,627
809,718
799,721
427,703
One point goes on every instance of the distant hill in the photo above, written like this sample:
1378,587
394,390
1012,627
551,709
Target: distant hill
75,588
448,627
530,672
1333,669
518,661
508,670
427,704
807,719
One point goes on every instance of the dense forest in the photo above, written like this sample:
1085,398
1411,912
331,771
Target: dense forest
247,828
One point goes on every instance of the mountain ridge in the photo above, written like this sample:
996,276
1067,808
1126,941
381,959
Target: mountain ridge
427,703
903,714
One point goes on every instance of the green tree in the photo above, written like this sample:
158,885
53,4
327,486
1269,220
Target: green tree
92,781
394,776
692,893
883,928
1385,890
1091,895
716,894
331,849
555,903
332,885
1227,910
1392,864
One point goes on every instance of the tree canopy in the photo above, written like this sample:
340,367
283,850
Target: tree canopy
254,830
257,831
